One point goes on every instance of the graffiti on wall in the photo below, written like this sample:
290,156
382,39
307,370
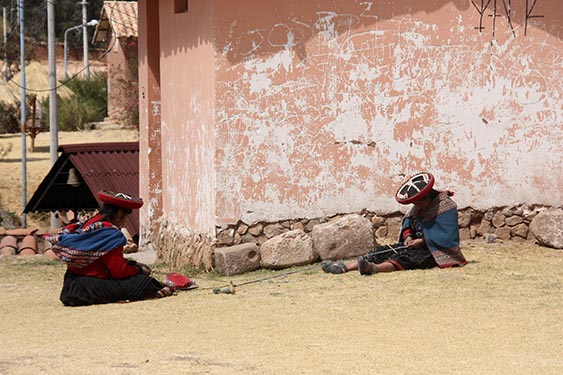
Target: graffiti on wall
494,9
327,104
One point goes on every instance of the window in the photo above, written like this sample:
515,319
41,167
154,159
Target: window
180,6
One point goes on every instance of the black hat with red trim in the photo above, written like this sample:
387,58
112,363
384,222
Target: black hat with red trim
120,200
415,188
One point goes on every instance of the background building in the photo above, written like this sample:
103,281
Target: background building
117,30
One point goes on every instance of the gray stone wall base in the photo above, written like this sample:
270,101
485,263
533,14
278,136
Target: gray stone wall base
178,246
234,260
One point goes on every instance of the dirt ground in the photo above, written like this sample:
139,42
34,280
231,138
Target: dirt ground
38,165
501,314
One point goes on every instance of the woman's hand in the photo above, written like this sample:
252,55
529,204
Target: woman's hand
414,243
143,269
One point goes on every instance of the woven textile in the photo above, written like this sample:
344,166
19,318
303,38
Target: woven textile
80,244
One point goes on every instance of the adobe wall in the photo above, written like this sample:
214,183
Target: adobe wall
286,113
324,107
121,58
187,115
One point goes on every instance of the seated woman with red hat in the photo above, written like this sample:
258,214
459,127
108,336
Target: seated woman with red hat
429,234
97,272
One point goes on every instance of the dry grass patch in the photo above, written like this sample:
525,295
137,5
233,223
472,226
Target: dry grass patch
501,314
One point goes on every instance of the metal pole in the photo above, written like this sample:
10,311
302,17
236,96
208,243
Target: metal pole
22,110
65,54
85,38
53,116
5,44
65,58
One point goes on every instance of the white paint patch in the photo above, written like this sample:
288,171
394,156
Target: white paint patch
349,125
269,64
259,82
416,39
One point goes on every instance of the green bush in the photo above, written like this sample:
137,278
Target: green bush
87,105
9,121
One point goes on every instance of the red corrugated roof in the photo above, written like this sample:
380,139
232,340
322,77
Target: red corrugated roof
112,166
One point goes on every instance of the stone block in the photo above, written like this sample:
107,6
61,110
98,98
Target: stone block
488,215
464,218
298,226
394,226
312,224
226,237
381,232
256,230
237,259
498,219
507,212
485,228
514,220
247,238
503,233
377,221
344,237
178,245
273,230
464,234
293,248
473,231
520,230
546,228
242,229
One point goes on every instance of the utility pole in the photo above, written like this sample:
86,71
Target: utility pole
85,38
53,117
5,44
22,116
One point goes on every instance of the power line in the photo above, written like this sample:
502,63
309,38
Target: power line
64,82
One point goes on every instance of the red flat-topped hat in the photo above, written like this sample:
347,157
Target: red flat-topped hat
415,188
120,200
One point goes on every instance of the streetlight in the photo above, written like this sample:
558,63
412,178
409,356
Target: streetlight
90,23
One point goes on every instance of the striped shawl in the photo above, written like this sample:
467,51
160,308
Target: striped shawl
440,228
82,243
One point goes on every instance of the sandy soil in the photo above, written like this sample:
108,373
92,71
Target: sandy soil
38,165
501,314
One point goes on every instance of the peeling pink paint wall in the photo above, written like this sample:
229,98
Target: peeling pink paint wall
187,107
299,109
324,106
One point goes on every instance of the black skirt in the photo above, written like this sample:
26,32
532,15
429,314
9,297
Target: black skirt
79,290
405,259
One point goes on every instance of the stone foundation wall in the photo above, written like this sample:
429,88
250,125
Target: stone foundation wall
179,246
503,223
